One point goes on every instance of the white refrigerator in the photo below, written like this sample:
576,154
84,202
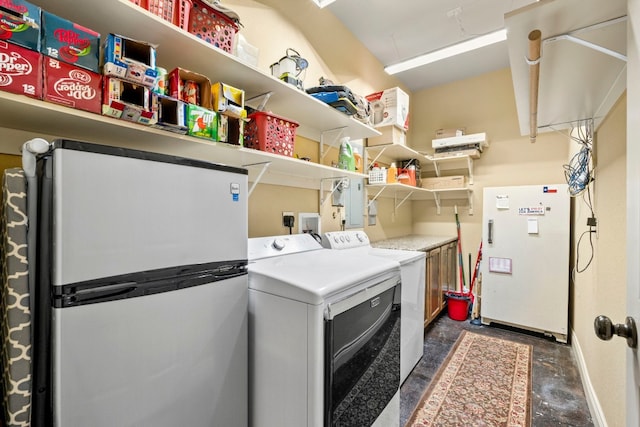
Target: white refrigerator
141,290
525,260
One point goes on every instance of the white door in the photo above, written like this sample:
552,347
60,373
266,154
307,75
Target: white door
633,205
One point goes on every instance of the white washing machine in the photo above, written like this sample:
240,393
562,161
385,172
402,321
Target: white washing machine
413,270
324,336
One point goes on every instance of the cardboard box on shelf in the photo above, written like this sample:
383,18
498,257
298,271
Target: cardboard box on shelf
231,129
473,153
129,101
202,122
72,86
130,59
390,135
228,100
70,42
172,115
21,23
20,70
450,132
444,182
390,107
190,87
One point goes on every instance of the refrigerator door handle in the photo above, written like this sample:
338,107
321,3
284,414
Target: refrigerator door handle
490,232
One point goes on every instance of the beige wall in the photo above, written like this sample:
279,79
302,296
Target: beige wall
601,289
334,53
482,104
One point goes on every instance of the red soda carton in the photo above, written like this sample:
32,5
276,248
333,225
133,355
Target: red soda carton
20,70
20,23
72,86
70,42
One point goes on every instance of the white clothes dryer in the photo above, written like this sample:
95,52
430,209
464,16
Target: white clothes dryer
324,335
413,270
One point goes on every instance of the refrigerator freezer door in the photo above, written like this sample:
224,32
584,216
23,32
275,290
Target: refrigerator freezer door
525,261
165,360
117,215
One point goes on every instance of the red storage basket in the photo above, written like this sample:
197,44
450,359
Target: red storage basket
175,11
212,26
270,133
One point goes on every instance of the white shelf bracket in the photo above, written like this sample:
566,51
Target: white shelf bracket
397,205
470,197
265,166
330,139
470,167
376,196
570,36
437,168
436,198
375,159
266,96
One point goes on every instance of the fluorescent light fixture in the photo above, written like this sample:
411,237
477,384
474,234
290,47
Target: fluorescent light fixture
448,52
323,3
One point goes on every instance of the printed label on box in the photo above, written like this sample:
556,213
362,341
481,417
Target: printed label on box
20,70
24,32
70,42
72,86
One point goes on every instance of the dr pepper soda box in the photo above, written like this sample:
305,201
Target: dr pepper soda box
69,42
72,86
20,70
20,23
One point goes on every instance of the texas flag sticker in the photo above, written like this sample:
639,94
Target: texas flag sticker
546,189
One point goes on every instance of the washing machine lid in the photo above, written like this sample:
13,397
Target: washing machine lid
315,276
400,255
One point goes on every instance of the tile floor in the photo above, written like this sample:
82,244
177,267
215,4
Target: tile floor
558,397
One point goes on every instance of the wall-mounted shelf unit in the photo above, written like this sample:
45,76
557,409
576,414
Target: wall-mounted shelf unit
401,193
458,162
176,47
576,82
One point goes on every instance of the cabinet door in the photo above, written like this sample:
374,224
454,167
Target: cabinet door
434,289
449,267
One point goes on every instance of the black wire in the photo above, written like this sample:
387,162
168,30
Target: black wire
590,231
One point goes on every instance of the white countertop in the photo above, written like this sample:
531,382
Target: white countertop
414,242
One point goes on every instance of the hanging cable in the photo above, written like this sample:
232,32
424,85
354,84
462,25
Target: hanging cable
579,174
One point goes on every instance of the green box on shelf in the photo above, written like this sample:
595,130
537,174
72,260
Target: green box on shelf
202,122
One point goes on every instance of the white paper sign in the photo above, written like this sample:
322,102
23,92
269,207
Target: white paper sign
502,202
500,265
532,225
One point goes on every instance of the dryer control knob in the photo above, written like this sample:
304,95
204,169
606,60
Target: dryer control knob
278,244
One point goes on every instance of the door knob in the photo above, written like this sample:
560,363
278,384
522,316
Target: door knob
605,330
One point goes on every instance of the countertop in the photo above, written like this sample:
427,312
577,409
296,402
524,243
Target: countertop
414,242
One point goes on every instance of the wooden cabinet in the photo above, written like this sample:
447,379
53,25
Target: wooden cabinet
440,277
433,291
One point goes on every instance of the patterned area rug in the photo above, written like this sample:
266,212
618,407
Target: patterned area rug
484,381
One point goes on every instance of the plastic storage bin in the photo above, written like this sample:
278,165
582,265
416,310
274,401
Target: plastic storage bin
175,11
212,26
270,133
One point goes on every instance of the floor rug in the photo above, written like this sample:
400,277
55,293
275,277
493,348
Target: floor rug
484,381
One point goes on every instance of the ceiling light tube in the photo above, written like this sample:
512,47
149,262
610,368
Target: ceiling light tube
448,52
